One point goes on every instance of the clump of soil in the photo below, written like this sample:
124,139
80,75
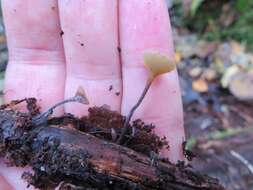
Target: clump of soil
107,125
86,155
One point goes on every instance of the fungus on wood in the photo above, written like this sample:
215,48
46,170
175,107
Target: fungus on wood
86,155
157,64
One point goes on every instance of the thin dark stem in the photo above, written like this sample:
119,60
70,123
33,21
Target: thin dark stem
129,116
41,118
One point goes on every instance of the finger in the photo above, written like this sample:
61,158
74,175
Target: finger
11,177
36,61
162,105
90,43
4,184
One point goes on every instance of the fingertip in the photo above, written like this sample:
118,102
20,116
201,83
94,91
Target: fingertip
13,177
90,43
36,66
162,105
173,130
4,185
46,83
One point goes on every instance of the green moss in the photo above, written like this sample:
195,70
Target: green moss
2,74
218,135
207,21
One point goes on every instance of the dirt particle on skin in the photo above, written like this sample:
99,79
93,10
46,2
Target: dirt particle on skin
82,44
117,93
110,88
119,49
61,33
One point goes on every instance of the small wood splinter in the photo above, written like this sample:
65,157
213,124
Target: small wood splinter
157,64
80,97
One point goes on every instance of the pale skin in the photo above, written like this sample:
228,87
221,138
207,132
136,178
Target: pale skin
51,67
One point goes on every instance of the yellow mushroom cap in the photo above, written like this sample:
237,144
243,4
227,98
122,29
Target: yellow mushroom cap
158,63
81,93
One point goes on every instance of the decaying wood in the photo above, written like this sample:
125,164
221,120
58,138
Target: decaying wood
77,160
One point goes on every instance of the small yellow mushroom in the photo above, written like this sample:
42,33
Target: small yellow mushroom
79,97
158,63
81,93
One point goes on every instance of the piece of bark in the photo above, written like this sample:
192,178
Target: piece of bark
77,160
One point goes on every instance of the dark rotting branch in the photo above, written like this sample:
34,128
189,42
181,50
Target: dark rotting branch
71,158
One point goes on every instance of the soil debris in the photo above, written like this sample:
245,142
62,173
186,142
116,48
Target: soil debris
88,157
119,49
110,88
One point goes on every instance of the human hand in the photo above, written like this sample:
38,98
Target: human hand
50,65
